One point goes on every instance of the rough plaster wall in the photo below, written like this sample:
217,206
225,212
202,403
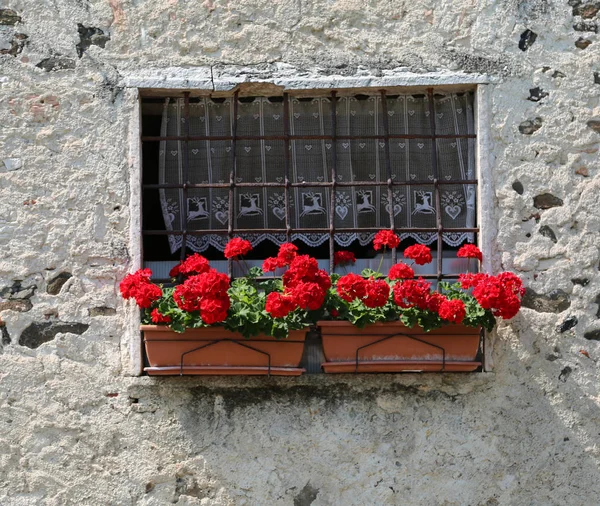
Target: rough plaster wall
74,429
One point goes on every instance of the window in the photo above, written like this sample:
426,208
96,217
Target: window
326,171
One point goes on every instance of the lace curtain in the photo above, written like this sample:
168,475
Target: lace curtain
260,161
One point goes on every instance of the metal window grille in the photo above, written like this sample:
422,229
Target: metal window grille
332,186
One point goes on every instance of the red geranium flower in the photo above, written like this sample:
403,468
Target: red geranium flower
378,293
351,286
210,285
401,271
343,257
452,310
158,317
434,301
194,264
174,272
308,295
469,251
420,253
501,294
279,305
287,253
385,238
237,247
214,310
412,292
303,268
270,264
139,287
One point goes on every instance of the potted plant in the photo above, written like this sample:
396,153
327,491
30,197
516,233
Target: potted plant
397,323
210,324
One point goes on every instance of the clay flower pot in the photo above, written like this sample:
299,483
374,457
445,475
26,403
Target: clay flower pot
393,347
216,351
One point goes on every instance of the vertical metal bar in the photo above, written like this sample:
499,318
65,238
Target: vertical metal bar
186,161
333,180
234,124
286,158
388,167
436,183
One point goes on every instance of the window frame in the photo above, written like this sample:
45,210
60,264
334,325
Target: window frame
138,87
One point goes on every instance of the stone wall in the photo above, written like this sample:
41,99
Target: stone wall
75,428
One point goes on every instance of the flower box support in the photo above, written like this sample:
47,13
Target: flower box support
216,351
393,347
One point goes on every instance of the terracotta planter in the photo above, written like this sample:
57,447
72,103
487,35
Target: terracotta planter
216,351
392,347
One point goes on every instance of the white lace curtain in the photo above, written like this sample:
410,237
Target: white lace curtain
260,161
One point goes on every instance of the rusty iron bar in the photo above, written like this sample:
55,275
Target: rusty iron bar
332,193
231,209
155,138
436,182
311,184
286,155
186,161
388,167
323,230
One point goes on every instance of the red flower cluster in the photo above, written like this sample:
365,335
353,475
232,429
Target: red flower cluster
412,292
285,256
385,238
419,253
469,251
305,285
452,310
351,286
378,293
279,305
373,293
139,287
194,264
501,294
237,247
206,293
401,271
343,257
158,317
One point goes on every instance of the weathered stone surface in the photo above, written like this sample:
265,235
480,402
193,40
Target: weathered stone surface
567,324
597,301
89,36
582,43
594,124
17,44
56,283
527,39
18,291
20,305
592,335
586,26
5,337
546,231
307,496
546,201
39,333
102,311
580,281
586,10
518,187
56,63
556,301
530,126
9,17
596,78
537,94
517,435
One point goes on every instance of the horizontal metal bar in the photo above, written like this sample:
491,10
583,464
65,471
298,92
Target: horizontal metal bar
308,184
298,230
155,138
